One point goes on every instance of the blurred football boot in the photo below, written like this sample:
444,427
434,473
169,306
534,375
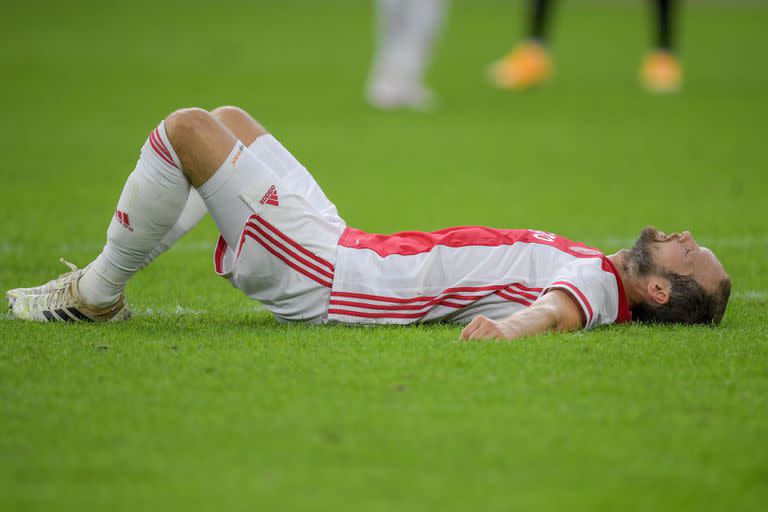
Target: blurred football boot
528,65
661,73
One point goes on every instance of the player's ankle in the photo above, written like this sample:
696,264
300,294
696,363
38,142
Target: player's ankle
94,291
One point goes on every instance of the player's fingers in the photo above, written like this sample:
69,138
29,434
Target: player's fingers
467,331
483,329
483,333
488,331
471,327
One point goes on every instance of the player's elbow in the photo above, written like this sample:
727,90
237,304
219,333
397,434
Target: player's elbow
561,311
544,316
552,316
564,322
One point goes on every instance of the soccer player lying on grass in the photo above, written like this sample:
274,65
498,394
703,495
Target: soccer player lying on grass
283,243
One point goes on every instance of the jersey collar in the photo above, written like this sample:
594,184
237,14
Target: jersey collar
625,314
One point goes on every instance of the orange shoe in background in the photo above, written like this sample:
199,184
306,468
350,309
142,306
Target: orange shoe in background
526,66
661,73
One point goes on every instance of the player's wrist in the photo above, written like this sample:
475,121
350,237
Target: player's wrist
510,329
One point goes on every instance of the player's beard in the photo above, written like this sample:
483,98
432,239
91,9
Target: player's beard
640,258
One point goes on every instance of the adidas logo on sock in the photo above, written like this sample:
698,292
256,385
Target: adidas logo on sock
123,219
270,197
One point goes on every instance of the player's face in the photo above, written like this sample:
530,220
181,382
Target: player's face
680,254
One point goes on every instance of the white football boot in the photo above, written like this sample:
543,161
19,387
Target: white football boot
51,285
60,302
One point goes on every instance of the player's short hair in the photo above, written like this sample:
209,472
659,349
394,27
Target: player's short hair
689,303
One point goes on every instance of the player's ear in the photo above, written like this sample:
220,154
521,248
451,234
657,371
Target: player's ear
658,290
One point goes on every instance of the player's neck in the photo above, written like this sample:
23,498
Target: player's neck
633,288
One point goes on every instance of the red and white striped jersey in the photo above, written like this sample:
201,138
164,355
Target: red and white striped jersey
457,273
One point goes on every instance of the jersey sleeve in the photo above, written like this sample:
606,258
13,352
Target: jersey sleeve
594,289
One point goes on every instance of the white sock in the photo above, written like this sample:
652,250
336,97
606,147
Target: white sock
151,203
193,212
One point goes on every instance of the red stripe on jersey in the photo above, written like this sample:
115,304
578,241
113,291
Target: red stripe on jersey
297,246
510,298
580,295
491,288
288,251
399,300
514,290
287,261
446,298
625,314
364,314
390,307
452,291
409,243
527,289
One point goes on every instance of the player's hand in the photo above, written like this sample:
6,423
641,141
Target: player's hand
483,328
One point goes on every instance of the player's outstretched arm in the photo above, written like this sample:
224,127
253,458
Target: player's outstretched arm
554,311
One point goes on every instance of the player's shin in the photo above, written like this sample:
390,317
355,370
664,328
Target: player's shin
152,200
192,213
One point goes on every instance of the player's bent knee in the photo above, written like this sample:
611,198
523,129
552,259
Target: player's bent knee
240,123
228,112
186,124
235,118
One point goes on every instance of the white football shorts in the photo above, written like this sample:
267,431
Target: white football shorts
279,232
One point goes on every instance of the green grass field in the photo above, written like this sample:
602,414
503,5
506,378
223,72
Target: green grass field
204,402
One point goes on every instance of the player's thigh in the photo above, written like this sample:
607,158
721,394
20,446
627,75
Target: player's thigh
239,122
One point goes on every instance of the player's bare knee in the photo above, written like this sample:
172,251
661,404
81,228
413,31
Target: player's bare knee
201,142
239,122
187,125
228,113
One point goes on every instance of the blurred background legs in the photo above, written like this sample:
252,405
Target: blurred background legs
661,71
406,32
529,63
